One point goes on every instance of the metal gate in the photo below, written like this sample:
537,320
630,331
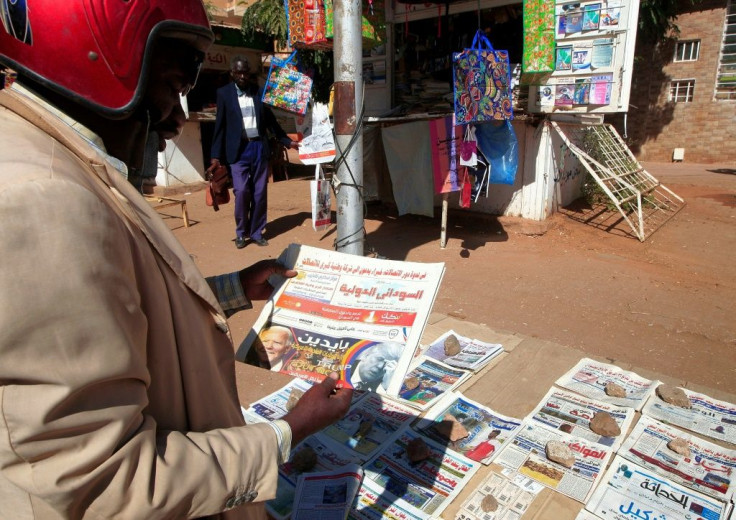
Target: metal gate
642,200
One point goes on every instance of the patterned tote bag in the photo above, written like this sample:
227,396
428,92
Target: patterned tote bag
481,83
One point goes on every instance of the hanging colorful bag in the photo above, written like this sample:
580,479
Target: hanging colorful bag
482,83
469,148
538,60
305,24
286,87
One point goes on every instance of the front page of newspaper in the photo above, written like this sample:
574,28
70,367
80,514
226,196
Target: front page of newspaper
710,469
327,495
429,485
431,379
487,430
474,354
590,377
373,503
526,454
710,417
630,491
361,317
514,493
563,410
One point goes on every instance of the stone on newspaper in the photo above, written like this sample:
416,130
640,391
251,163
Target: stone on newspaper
364,428
294,397
489,504
673,395
304,459
452,345
417,450
604,424
679,445
560,453
615,390
451,429
410,383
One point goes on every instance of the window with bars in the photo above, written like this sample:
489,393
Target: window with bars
681,91
726,77
687,50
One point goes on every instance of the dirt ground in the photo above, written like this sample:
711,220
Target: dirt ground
666,305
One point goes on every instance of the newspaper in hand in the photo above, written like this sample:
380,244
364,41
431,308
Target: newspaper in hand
361,317
427,381
328,494
706,416
590,378
572,413
474,354
709,468
487,430
629,491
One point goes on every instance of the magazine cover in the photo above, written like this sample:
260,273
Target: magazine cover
360,317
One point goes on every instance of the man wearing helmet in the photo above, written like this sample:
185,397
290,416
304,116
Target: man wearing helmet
117,385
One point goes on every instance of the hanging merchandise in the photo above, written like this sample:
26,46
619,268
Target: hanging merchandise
480,174
321,200
538,60
305,24
286,87
497,142
482,83
445,138
468,148
372,24
318,145
466,191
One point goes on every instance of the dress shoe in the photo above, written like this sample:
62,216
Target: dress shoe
261,241
240,242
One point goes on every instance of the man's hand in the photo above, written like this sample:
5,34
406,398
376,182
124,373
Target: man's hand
294,145
254,279
321,406
214,164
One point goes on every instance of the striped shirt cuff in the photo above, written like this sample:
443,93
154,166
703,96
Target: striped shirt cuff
229,292
283,434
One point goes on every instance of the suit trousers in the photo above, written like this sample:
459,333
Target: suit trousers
250,181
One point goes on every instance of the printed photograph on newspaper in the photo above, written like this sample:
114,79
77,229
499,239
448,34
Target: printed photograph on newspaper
630,491
373,504
428,381
361,317
429,485
706,415
526,453
573,413
326,494
698,464
487,430
608,383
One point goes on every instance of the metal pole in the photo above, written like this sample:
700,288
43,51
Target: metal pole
348,53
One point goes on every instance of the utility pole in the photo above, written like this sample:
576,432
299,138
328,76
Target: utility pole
348,53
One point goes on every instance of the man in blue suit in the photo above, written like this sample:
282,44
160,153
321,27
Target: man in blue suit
241,141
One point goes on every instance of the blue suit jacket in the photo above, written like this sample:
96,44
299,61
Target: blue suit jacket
227,138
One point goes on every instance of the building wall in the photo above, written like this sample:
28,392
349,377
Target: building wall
705,128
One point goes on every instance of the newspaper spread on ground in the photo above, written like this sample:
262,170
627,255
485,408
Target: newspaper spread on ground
513,492
429,485
710,417
273,406
587,515
630,491
590,377
709,469
428,380
361,317
327,495
487,430
371,422
474,354
373,503
572,413
526,454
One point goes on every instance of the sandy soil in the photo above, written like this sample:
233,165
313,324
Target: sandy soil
667,304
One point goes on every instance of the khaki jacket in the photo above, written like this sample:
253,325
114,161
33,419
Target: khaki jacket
117,383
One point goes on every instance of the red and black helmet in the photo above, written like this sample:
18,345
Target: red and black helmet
96,52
